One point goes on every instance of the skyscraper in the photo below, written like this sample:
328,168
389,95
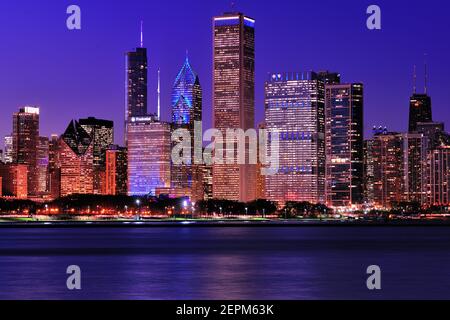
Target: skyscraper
186,108
149,154
295,108
419,110
25,141
234,99
344,144
136,83
76,161
419,105
102,134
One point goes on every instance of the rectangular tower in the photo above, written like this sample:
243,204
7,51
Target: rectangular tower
149,142
136,85
25,142
234,99
344,144
295,108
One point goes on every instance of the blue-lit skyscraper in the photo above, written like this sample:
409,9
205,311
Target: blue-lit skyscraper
186,108
186,97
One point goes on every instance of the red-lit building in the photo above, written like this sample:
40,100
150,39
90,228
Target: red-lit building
75,161
14,180
116,171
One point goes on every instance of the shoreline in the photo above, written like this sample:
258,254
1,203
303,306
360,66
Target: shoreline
222,223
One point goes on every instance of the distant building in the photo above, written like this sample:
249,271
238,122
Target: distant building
102,134
76,161
438,184
149,155
54,172
434,133
260,178
42,165
207,181
234,100
369,172
397,172
14,178
8,154
25,141
295,108
419,110
116,173
329,78
344,144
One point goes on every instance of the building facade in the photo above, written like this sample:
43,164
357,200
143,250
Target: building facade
136,85
76,161
419,110
42,165
149,155
8,154
438,167
396,173
295,108
102,134
234,100
14,178
116,173
344,144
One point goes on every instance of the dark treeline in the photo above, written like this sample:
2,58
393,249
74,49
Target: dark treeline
76,204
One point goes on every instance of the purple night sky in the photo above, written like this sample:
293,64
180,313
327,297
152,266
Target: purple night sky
73,74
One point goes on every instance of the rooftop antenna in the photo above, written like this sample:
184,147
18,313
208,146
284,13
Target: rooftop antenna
159,94
426,74
187,54
415,80
142,34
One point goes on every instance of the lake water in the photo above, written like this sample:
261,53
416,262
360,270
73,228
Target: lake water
225,263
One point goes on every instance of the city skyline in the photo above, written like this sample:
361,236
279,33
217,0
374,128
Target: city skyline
105,101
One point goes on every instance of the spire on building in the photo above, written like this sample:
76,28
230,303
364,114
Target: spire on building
142,34
159,94
426,74
415,81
